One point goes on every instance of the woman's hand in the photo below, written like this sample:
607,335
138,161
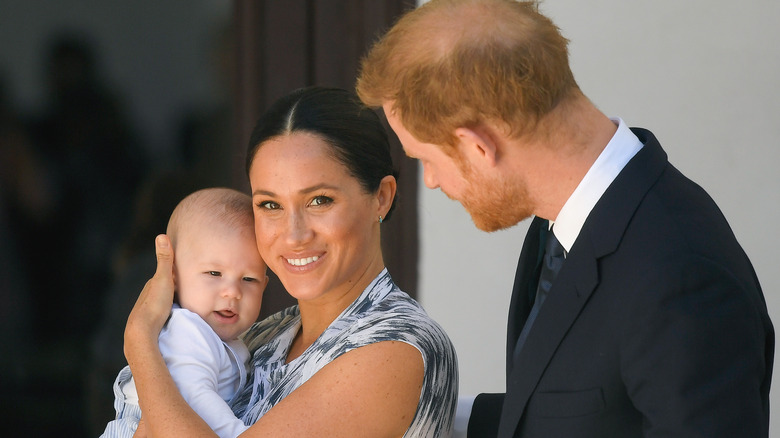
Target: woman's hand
164,410
153,306
140,432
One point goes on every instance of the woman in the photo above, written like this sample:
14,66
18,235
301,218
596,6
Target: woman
356,357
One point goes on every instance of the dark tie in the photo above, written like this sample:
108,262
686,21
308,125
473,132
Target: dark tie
551,264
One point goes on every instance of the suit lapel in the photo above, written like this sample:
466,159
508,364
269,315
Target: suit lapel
526,277
571,290
576,281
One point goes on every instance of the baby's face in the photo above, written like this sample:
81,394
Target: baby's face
221,277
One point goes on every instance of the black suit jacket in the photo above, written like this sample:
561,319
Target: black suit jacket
655,326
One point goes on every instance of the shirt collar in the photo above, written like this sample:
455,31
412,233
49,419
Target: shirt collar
618,152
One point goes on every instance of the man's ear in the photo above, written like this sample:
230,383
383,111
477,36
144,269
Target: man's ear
479,143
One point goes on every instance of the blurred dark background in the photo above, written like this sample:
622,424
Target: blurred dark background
110,113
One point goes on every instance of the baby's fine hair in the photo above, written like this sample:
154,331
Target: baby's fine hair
217,205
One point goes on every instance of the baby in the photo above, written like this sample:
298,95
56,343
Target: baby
219,279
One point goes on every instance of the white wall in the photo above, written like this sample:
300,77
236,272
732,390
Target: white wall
703,76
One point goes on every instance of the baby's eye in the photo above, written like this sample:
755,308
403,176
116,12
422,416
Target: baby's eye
269,205
321,200
249,279
215,273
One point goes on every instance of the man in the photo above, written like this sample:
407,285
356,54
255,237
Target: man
634,312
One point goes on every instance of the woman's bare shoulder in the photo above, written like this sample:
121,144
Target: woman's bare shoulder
370,391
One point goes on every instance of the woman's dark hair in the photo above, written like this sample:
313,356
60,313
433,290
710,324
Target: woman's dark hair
356,136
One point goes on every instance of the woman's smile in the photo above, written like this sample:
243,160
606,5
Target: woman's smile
302,261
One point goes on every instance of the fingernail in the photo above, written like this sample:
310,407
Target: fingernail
162,241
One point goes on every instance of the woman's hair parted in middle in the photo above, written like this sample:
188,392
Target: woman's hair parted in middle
354,132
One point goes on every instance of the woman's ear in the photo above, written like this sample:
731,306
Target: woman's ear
385,194
478,143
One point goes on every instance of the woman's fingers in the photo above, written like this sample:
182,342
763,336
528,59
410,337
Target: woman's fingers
140,432
153,306
164,273
157,295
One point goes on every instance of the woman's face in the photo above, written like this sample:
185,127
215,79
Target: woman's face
316,227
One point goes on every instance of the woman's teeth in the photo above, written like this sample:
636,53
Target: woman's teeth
302,262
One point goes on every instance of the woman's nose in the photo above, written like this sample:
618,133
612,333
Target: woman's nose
298,229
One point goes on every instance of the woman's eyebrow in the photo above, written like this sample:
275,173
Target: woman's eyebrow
303,191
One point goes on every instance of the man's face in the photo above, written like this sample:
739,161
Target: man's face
440,170
493,201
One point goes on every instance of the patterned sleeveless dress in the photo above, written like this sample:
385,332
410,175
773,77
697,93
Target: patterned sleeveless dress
382,313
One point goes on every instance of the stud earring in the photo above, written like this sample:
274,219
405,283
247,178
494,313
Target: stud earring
380,219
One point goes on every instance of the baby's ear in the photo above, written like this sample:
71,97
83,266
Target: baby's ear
175,285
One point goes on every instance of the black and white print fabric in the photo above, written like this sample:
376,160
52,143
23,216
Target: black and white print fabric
382,313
